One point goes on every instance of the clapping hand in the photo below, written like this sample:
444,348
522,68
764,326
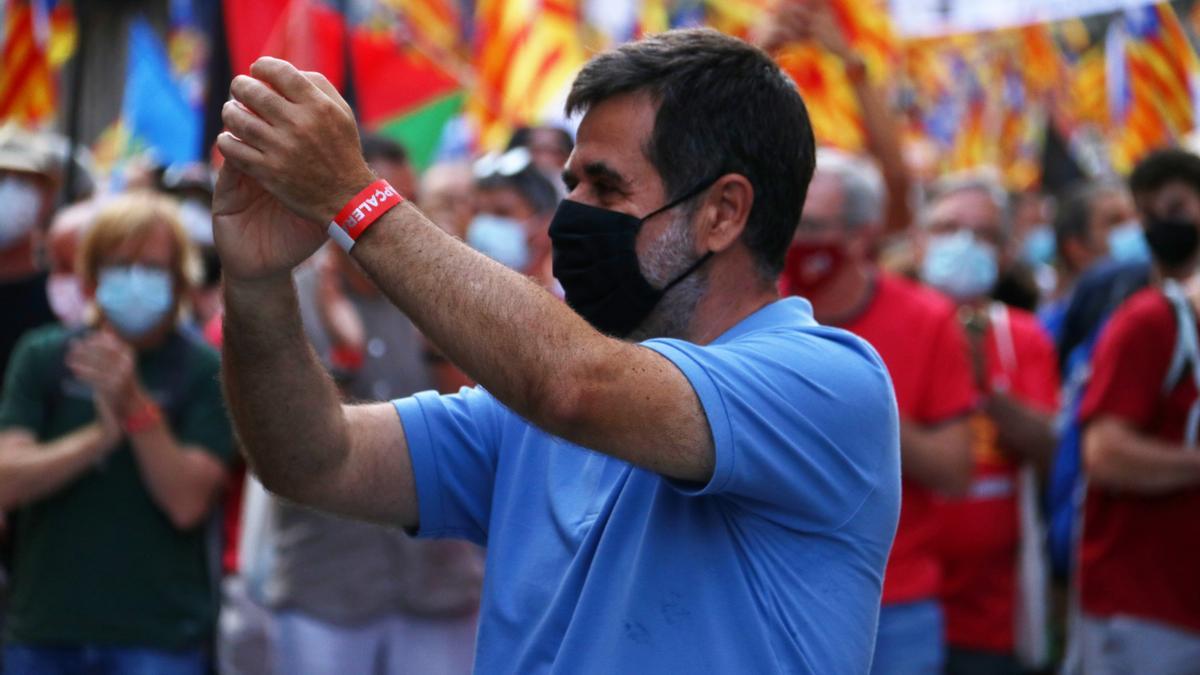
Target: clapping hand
292,161
108,365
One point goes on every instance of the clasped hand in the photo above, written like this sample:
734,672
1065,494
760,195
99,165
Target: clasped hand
292,160
109,366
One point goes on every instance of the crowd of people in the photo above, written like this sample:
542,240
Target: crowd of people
1042,350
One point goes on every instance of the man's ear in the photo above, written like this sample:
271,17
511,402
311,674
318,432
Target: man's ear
725,212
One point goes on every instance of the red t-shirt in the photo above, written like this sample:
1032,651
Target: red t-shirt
1141,554
981,532
916,332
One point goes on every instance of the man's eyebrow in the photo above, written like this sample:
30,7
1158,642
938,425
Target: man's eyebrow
600,170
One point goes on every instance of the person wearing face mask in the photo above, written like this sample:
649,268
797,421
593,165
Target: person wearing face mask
113,446
514,202
27,185
719,496
1165,180
831,264
1138,594
994,582
1091,223
63,288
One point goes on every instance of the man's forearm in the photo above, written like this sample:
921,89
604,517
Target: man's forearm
1120,458
534,354
938,458
30,471
503,330
883,142
1024,432
285,408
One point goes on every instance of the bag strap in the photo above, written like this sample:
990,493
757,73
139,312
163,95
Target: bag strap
1186,354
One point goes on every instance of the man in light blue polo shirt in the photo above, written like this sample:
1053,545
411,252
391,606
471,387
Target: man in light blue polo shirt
685,473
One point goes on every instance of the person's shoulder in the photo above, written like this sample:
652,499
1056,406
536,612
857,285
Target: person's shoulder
1148,305
787,340
50,338
914,300
1146,317
1026,326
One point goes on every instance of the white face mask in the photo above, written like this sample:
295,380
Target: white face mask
501,239
960,266
66,299
20,203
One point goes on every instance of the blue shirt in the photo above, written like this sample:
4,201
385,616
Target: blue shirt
596,566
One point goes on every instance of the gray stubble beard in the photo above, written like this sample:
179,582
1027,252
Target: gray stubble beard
670,256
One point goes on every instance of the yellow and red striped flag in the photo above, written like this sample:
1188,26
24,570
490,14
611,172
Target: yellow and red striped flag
26,80
737,17
820,76
435,25
526,54
1150,66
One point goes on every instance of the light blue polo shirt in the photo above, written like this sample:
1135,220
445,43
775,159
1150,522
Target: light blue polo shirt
596,566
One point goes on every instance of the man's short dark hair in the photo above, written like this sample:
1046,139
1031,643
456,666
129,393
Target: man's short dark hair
1073,216
522,137
1162,167
531,184
376,147
723,107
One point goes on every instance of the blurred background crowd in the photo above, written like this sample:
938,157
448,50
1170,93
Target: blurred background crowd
1006,206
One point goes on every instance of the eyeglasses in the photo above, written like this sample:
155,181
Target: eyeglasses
508,163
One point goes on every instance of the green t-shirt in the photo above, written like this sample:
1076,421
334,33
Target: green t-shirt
98,561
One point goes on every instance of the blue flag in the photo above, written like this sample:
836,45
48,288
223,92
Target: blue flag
155,107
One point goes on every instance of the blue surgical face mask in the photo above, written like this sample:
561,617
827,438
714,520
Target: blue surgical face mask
1127,243
20,201
960,266
135,299
499,238
1038,248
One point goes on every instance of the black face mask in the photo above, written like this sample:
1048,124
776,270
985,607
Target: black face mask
595,260
1173,241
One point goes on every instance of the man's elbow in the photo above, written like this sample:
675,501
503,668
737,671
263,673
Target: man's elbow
1101,456
188,512
10,497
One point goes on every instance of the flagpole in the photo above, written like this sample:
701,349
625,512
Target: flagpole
70,175
348,90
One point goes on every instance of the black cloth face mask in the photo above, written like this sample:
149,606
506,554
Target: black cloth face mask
1173,241
595,260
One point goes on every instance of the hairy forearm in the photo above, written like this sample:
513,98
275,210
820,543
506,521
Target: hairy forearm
285,408
938,458
30,471
504,331
1120,458
1024,433
883,142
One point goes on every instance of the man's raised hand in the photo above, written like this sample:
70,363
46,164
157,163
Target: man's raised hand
295,135
257,236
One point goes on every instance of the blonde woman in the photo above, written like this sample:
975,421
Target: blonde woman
113,448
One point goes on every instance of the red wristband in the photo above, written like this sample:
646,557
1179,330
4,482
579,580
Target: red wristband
143,419
347,359
360,212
